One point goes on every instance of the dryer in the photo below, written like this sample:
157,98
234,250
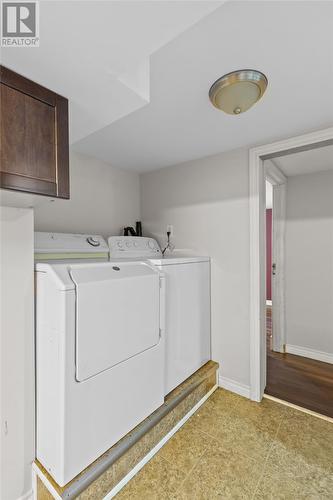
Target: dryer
99,349
187,322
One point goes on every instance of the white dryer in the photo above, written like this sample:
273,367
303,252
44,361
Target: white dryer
99,349
187,322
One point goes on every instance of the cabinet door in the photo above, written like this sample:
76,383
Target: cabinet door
34,137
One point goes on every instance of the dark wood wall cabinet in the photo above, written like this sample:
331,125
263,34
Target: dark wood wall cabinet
33,137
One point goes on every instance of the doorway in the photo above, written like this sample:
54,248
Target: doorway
258,247
299,317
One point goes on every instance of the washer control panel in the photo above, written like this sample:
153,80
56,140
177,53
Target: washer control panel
133,246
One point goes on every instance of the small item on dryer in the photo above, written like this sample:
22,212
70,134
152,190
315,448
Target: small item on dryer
129,230
138,227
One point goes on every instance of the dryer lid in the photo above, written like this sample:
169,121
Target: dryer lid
117,314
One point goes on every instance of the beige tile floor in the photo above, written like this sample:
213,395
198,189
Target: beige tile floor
235,448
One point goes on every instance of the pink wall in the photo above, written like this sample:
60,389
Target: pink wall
269,254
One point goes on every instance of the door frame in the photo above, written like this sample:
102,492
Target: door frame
257,226
279,182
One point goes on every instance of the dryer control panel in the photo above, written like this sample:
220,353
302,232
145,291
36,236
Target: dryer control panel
66,246
67,243
126,247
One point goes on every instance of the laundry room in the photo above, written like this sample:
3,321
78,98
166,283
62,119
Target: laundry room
135,144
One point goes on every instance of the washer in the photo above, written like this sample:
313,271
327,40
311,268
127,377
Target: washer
187,323
99,349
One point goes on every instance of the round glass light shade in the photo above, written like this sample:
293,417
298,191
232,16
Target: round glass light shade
237,92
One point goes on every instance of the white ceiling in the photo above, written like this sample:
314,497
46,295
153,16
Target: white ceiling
102,57
306,162
97,53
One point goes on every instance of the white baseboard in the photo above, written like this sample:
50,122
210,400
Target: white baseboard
233,386
326,357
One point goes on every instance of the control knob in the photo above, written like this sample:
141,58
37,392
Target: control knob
93,242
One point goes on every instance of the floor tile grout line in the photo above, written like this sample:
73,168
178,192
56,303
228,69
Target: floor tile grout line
213,438
203,453
190,471
209,435
219,441
194,465
183,429
267,457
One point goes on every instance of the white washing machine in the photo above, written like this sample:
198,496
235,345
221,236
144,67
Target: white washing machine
187,322
99,349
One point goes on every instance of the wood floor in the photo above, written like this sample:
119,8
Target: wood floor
302,381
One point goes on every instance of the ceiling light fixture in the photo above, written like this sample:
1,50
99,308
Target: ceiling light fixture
236,92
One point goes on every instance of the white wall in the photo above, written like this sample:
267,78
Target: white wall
16,354
309,261
207,201
103,200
